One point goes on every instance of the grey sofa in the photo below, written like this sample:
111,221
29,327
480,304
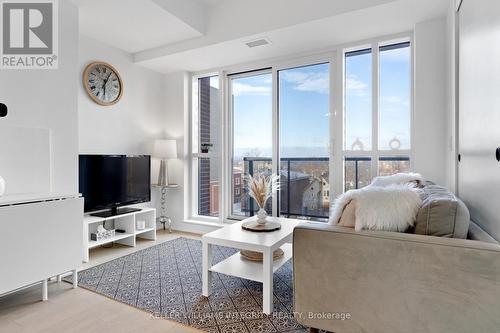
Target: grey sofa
383,282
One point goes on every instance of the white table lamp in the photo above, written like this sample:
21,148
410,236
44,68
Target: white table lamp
164,149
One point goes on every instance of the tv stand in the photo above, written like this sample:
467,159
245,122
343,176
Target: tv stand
124,221
116,211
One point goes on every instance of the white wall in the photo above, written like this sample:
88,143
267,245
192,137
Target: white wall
47,99
131,125
176,104
430,112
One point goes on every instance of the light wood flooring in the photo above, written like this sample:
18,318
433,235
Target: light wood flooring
80,310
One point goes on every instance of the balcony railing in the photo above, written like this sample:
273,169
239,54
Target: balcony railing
298,174
301,174
358,182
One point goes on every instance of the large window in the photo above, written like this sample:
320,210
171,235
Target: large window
206,146
358,100
358,115
395,97
289,119
377,129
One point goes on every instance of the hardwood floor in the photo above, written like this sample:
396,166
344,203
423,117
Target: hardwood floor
79,310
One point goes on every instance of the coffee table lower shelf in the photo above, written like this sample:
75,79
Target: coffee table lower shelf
237,266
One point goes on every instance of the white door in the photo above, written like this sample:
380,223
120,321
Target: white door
479,115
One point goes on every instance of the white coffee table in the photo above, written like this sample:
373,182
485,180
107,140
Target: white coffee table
265,242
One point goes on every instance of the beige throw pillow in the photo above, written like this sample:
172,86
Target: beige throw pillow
442,214
348,218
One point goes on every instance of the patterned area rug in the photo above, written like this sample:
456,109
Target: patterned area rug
166,280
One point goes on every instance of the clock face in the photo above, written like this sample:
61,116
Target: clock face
102,83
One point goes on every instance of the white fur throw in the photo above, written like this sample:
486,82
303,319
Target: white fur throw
399,178
390,208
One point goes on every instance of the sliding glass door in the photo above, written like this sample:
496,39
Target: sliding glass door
304,136
252,142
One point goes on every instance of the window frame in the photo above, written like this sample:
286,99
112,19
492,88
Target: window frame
375,153
191,195
335,57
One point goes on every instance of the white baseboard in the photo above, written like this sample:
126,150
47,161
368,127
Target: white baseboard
194,227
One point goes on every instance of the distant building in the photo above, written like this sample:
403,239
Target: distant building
292,190
208,189
238,188
301,195
325,190
304,195
238,185
316,197
214,198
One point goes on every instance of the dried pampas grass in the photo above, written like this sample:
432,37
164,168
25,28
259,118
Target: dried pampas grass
261,187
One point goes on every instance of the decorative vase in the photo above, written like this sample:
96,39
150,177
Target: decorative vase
261,216
2,186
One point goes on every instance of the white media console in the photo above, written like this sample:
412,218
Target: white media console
125,222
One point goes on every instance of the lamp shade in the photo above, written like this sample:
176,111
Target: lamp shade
165,148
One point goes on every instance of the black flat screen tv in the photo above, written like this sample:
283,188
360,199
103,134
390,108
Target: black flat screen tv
111,181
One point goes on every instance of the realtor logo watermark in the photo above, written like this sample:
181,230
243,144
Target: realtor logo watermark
29,36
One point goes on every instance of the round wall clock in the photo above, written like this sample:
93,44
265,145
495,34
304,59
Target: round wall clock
102,83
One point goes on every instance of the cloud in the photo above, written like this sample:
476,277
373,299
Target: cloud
355,86
395,100
267,80
392,99
303,81
247,89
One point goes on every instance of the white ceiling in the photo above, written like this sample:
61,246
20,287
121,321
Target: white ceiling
195,35
131,25
386,19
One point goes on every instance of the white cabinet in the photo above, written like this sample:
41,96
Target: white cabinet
126,222
40,238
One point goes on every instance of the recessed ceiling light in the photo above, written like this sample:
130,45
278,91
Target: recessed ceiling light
258,42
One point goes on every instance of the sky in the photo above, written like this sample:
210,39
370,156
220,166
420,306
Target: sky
395,96
304,107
